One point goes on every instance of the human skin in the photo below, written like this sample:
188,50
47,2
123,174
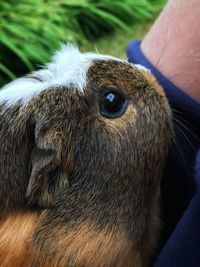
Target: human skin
173,45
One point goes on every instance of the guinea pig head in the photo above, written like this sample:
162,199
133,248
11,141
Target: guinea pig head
94,132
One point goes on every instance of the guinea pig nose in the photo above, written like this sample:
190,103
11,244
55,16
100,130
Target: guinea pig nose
113,103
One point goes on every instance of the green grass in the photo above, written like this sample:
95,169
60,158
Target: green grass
30,30
115,44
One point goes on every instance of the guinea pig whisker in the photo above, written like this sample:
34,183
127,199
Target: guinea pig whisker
180,112
179,149
184,124
182,132
183,116
177,111
188,130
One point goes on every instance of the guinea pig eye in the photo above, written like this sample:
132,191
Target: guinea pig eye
112,104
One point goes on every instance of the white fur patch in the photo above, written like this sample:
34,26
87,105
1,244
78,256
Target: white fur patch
141,67
68,68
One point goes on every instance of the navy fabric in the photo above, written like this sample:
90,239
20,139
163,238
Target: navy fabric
180,185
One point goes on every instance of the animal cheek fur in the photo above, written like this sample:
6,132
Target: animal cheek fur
89,246
15,231
85,245
120,124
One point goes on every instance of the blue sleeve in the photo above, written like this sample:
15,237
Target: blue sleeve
180,195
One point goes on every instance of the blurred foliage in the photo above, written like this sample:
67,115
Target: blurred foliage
115,44
30,30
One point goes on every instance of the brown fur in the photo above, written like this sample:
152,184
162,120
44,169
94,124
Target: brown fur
84,246
15,232
88,246
92,181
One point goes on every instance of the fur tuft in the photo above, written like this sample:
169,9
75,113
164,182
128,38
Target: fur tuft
68,68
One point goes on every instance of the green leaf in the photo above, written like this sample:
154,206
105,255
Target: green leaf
7,72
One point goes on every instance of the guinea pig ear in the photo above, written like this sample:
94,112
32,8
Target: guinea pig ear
47,174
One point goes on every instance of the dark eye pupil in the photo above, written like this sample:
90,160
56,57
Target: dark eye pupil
112,104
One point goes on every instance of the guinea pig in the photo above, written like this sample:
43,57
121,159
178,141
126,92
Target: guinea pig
83,144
